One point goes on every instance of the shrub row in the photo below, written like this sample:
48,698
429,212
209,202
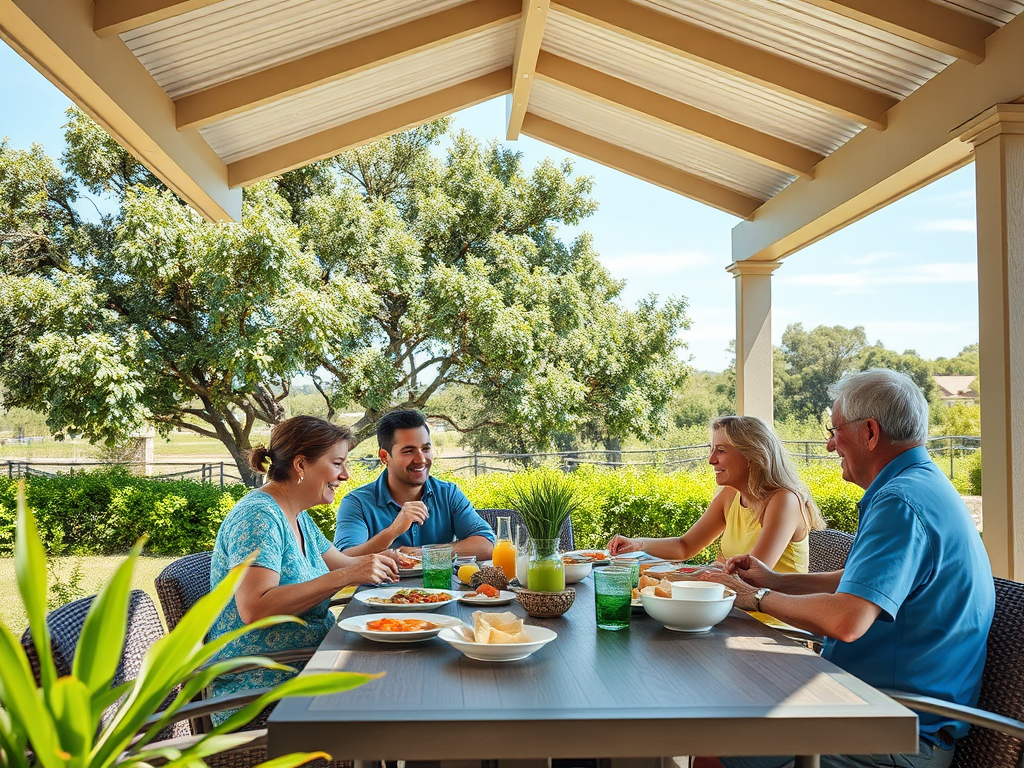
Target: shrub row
104,512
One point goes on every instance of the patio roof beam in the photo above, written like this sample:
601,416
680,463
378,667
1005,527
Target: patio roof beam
640,166
762,147
402,117
933,25
524,62
105,79
726,54
222,101
874,169
112,17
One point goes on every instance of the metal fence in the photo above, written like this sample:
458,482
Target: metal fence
218,472
945,450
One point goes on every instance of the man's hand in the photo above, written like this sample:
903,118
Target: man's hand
411,512
752,571
744,591
372,569
619,545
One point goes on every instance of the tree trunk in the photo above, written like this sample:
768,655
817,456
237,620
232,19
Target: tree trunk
613,451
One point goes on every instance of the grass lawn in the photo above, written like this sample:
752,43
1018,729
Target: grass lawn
96,571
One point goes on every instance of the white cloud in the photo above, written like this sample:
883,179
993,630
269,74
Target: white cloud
875,257
924,274
948,225
628,264
964,198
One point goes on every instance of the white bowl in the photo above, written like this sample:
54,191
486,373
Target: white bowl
697,590
539,637
686,615
575,572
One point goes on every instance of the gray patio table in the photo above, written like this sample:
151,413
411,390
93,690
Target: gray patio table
634,696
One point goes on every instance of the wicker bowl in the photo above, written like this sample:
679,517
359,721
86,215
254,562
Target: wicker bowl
545,605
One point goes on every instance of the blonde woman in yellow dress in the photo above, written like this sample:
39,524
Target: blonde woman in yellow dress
763,508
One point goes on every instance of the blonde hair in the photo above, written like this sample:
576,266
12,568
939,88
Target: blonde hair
769,468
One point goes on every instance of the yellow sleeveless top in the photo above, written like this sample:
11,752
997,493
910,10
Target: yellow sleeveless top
742,531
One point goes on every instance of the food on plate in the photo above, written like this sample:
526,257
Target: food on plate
408,562
400,625
412,597
504,627
484,590
466,572
591,556
636,594
489,575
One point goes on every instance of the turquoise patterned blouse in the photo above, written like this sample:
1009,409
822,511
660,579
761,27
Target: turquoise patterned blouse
257,522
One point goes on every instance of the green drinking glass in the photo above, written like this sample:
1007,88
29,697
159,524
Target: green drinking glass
437,566
613,592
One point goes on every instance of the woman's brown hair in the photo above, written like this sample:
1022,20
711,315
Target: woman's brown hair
305,436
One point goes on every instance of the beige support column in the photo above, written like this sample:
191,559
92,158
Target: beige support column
998,138
754,379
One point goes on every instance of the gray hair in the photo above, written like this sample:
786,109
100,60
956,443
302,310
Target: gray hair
891,398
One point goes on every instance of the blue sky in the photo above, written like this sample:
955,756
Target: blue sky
907,273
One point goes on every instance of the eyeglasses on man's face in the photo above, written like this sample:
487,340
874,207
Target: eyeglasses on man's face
831,429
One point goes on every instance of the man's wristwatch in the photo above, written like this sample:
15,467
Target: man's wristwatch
759,596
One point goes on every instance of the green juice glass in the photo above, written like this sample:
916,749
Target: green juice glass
545,572
613,592
437,566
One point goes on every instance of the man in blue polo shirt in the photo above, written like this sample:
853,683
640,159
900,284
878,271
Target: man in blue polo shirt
405,507
913,606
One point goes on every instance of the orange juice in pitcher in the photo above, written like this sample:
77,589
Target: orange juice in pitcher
504,556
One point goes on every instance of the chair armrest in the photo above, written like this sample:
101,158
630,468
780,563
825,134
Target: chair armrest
196,709
255,740
972,715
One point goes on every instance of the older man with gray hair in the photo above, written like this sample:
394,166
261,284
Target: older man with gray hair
913,606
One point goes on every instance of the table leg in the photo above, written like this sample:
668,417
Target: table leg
807,761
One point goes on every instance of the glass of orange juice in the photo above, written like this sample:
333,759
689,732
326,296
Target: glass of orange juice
504,556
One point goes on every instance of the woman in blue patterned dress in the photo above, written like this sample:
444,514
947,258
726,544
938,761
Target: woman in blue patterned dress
297,570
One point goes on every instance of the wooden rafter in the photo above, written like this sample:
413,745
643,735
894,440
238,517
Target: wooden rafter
245,93
524,62
112,17
762,147
933,25
402,117
874,168
640,166
828,92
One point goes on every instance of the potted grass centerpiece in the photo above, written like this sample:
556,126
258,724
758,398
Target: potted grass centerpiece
545,501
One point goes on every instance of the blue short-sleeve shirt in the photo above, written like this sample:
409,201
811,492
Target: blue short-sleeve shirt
257,522
918,557
369,509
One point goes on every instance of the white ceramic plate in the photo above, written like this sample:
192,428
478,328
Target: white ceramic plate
583,555
417,571
539,637
366,597
504,598
688,570
358,624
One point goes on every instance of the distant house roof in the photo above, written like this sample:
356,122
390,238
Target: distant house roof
955,386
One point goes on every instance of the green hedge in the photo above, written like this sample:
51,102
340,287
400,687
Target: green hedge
104,512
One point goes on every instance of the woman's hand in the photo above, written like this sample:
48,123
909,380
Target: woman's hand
619,545
372,569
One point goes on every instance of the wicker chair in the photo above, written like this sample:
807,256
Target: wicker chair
828,550
143,629
565,536
996,739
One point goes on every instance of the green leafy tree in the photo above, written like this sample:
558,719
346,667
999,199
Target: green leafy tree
814,360
966,363
472,286
385,274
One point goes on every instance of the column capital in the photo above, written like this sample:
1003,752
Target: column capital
745,267
998,120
